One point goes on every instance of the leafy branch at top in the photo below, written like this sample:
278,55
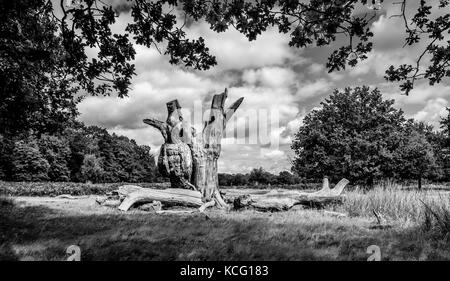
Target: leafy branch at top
417,29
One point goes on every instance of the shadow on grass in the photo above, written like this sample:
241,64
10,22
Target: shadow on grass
44,234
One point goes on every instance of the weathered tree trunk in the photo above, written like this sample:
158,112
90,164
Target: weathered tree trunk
190,161
205,171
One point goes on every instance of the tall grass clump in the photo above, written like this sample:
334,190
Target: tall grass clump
393,201
436,218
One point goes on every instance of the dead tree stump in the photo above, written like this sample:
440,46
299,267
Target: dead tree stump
188,159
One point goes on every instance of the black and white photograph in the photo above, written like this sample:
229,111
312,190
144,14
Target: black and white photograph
237,131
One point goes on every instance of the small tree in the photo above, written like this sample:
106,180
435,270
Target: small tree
81,143
444,155
56,151
240,179
416,156
285,177
146,163
261,176
92,168
28,164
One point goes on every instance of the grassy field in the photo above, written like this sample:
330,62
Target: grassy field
42,228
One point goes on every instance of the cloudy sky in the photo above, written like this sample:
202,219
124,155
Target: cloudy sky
280,85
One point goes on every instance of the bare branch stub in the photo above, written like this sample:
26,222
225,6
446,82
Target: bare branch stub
160,126
175,158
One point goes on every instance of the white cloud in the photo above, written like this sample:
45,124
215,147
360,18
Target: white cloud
433,111
274,153
385,36
234,51
421,93
309,89
316,68
273,77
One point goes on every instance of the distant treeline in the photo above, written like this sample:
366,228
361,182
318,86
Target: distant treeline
79,153
259,176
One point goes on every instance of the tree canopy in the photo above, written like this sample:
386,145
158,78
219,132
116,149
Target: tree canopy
358,135
78,154
308,23
44,44
45,70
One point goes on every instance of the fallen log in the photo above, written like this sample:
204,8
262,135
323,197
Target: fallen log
68,196
172,196
124,190
280,200
175,212
274,200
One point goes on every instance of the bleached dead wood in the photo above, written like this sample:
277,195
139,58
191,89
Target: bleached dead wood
175,212
207,205
279,200
124,190
174,196
68,196
274,200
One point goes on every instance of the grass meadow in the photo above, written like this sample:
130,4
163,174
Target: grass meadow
42,227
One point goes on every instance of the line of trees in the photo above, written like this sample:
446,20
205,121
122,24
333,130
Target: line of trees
358,135
78,154
259,176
